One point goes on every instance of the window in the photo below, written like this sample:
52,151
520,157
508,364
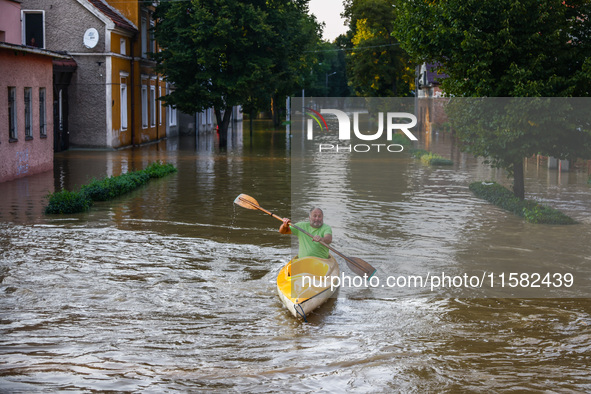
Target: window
12,124
28,114
123,103
160,110
144,106
144,37
152,105
152,39
172,119
33,28
42,117
122,48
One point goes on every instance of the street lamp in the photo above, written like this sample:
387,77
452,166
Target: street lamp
326,85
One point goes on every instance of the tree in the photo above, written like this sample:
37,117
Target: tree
505,48
222,53
298,34
326,76
377,66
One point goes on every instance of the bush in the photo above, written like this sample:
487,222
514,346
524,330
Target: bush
430,158
111,187
159,170
105,189
400,140
68,202
530,210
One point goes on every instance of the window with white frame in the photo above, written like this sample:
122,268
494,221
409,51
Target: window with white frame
122,46
172,116
42,114
144,105
160,106
12,115
152,39
28,113
123,102
152,106
33,32
144,37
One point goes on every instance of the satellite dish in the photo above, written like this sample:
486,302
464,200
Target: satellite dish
91,38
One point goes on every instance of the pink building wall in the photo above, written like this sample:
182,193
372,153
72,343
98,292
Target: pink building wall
10,22
25,157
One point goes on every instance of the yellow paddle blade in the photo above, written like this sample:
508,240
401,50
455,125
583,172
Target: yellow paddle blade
246,201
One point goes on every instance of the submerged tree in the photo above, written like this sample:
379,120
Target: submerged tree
222,53
506,48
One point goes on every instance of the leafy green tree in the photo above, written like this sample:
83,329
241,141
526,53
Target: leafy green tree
327,76
222,53
297,35
377,65
505,48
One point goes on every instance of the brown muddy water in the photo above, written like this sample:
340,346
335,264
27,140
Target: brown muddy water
171,288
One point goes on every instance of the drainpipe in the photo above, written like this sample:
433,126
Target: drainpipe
132,75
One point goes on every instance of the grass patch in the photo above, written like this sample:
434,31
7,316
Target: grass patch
531,211
430,158
64,202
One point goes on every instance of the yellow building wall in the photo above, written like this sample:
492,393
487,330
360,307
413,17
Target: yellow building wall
133,11
129,9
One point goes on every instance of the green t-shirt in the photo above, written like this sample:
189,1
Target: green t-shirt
307,246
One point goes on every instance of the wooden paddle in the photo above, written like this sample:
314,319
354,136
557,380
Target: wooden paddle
360,267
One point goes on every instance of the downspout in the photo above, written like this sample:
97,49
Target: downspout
132,75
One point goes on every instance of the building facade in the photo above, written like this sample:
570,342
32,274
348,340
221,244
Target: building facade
26,94
113,93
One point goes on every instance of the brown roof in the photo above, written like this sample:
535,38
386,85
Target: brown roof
114,15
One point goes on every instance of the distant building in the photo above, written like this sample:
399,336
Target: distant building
430,113
428,81
26,97
111,99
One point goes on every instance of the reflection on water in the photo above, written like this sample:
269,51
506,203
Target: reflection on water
172,287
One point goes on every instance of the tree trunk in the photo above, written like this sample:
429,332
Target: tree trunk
223,123
275,111
518,180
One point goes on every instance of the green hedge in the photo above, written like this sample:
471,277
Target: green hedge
104,189
66,202
430,158
530,210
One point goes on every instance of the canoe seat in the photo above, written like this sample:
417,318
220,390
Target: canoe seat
309,266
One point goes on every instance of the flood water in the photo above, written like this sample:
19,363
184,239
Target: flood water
172,287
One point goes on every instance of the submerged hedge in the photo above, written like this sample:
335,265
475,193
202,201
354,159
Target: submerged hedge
431,158
104,189
530,210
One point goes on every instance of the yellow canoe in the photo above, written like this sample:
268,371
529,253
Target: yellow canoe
305,284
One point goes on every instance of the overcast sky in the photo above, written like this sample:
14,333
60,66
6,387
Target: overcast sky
329,12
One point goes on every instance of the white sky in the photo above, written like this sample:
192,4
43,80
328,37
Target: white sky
329,12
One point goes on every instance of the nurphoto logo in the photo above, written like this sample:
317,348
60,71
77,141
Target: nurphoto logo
391,119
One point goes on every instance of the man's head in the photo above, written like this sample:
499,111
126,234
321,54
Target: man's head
316,217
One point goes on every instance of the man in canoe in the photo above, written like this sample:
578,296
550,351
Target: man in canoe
316,226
